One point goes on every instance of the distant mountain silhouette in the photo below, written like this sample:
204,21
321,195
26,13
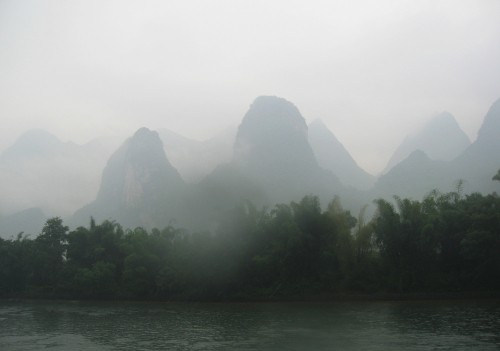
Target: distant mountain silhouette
333,156
475,166
39,170
139,186
441,139
273,150
414,177
481,160
29,222
35,143
196,159
272,162
488,135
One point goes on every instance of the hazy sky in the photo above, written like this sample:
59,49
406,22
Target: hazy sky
371,70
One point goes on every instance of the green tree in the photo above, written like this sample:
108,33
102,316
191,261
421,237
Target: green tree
365,273
480,243
338,246
407,242
16,264
50,254
273,263
142,263
95,260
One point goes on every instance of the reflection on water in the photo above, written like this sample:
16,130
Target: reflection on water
455,325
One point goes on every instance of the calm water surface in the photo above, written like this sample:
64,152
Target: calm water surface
454,325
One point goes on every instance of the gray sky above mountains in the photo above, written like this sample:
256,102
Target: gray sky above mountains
373,71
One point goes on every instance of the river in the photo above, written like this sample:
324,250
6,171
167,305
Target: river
402,325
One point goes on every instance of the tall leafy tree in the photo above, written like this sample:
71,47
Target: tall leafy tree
95,259
50,254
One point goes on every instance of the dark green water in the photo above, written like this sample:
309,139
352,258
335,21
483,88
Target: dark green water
454,325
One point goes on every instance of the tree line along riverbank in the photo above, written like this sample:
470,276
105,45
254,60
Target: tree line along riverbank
443,246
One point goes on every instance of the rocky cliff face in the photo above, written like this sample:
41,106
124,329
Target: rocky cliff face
273,150
272,137
272,163
138,183
138,172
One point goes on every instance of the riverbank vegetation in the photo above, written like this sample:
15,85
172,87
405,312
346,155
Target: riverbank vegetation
444,243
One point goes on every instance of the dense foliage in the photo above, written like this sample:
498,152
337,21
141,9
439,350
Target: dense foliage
445,243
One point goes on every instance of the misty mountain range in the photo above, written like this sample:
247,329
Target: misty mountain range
154,179
39,170
440,139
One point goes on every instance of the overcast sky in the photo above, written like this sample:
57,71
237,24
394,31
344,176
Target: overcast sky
373,71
